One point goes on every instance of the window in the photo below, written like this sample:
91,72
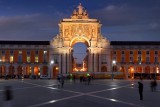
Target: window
156,52
139,59
36,52
156,59
3,52
139,52
131,59
147,59
3,59
11,52
11,59
28,59
122,52
20,52
104,58
45,56
147,52
36,59
131,52
28,52
55,58
19,58
123,60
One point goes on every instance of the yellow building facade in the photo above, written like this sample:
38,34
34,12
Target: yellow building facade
24,58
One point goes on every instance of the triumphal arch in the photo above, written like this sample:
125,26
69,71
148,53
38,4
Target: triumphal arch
79,28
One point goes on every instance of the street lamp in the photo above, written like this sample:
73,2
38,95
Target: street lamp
113,69
52,62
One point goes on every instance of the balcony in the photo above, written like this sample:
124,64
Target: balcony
122,62
156,63
147,63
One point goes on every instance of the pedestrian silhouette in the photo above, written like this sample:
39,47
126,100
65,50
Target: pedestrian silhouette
62,81
74,78
81,78
140,86
8,96
89,79
153,85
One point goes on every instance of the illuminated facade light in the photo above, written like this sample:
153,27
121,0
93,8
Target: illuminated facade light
52,62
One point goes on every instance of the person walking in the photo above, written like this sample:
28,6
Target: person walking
89,79
154,85
7,96
74,78
62,81
140,87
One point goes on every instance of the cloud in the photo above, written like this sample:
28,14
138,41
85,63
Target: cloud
25,27
124,14
128,22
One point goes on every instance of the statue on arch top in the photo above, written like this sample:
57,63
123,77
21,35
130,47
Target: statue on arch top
80,13
80,9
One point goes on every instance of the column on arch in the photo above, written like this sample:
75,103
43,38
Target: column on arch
64,64
60,63
90,62
95,57
99,62
68,63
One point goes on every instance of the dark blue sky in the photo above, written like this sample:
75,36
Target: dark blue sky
121,19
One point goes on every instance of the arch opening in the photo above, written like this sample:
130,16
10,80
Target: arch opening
80,57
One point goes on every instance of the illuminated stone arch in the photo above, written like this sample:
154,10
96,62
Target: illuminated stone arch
80,28
2,71
139,69
11,70
147,69
78,39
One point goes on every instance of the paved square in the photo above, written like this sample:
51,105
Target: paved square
100,93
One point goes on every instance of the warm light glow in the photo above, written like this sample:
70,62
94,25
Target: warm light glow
28,59
157,70
132,69
57,68
36,59
20,52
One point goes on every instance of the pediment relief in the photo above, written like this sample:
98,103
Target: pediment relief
73,30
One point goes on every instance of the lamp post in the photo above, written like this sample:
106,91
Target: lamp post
52,62
113,68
